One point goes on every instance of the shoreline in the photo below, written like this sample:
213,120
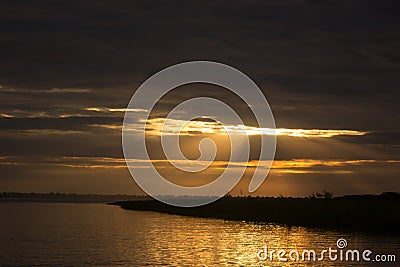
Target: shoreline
361,213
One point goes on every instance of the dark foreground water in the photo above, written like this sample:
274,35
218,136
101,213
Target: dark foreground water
47,234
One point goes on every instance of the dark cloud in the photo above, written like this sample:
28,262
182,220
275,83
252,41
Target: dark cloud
343,53
64,124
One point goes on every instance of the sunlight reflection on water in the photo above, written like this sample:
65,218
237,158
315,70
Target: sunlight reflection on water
96,234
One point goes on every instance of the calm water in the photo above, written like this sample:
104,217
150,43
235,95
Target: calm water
96,234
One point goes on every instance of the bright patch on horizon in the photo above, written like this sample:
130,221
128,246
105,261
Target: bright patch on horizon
294,166
161,126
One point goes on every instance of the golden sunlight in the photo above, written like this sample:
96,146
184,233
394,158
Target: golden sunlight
172,127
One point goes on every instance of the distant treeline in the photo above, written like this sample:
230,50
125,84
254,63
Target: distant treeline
364,213
65,197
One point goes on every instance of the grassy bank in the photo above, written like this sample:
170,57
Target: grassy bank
362,213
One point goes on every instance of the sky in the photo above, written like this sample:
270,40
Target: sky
329,70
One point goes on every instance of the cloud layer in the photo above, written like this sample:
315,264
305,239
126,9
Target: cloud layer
328,69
